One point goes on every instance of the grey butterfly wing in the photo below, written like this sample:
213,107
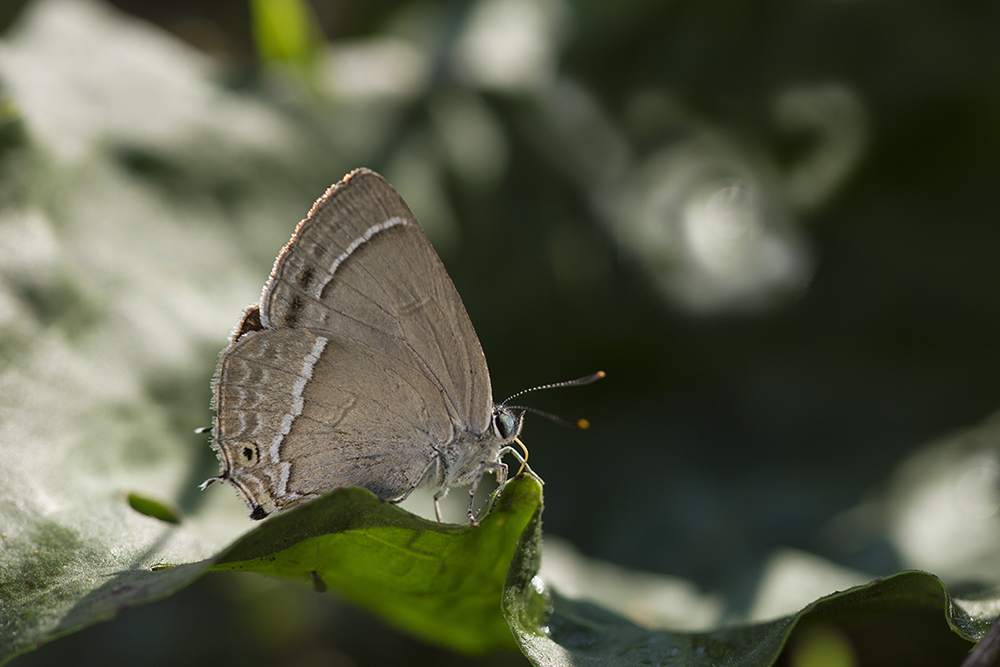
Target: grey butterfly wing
359,368
302,412
361,266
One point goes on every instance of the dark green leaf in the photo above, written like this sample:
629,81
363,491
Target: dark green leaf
553,630
440,582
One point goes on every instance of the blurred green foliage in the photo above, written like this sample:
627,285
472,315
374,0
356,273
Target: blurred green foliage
285,32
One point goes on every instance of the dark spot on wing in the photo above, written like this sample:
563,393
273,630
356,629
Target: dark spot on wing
293,311
258,513
305,277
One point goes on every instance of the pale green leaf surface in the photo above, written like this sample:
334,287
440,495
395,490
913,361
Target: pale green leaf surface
117,286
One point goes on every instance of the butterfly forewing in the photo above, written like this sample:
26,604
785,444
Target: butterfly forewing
361,266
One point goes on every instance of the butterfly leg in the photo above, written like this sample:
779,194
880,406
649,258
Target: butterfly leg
423,476
502,472
522,460
437,501
437,504
482,469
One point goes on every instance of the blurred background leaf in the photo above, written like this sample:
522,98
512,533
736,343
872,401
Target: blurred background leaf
285,32
775,229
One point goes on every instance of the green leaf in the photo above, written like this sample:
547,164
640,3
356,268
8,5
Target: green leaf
154,508
437,581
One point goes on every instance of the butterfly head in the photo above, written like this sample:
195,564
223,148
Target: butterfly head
507,423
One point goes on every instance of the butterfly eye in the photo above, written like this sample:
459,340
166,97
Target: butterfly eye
249,454
505,424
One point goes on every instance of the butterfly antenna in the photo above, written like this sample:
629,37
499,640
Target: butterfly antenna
593,377
562,421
